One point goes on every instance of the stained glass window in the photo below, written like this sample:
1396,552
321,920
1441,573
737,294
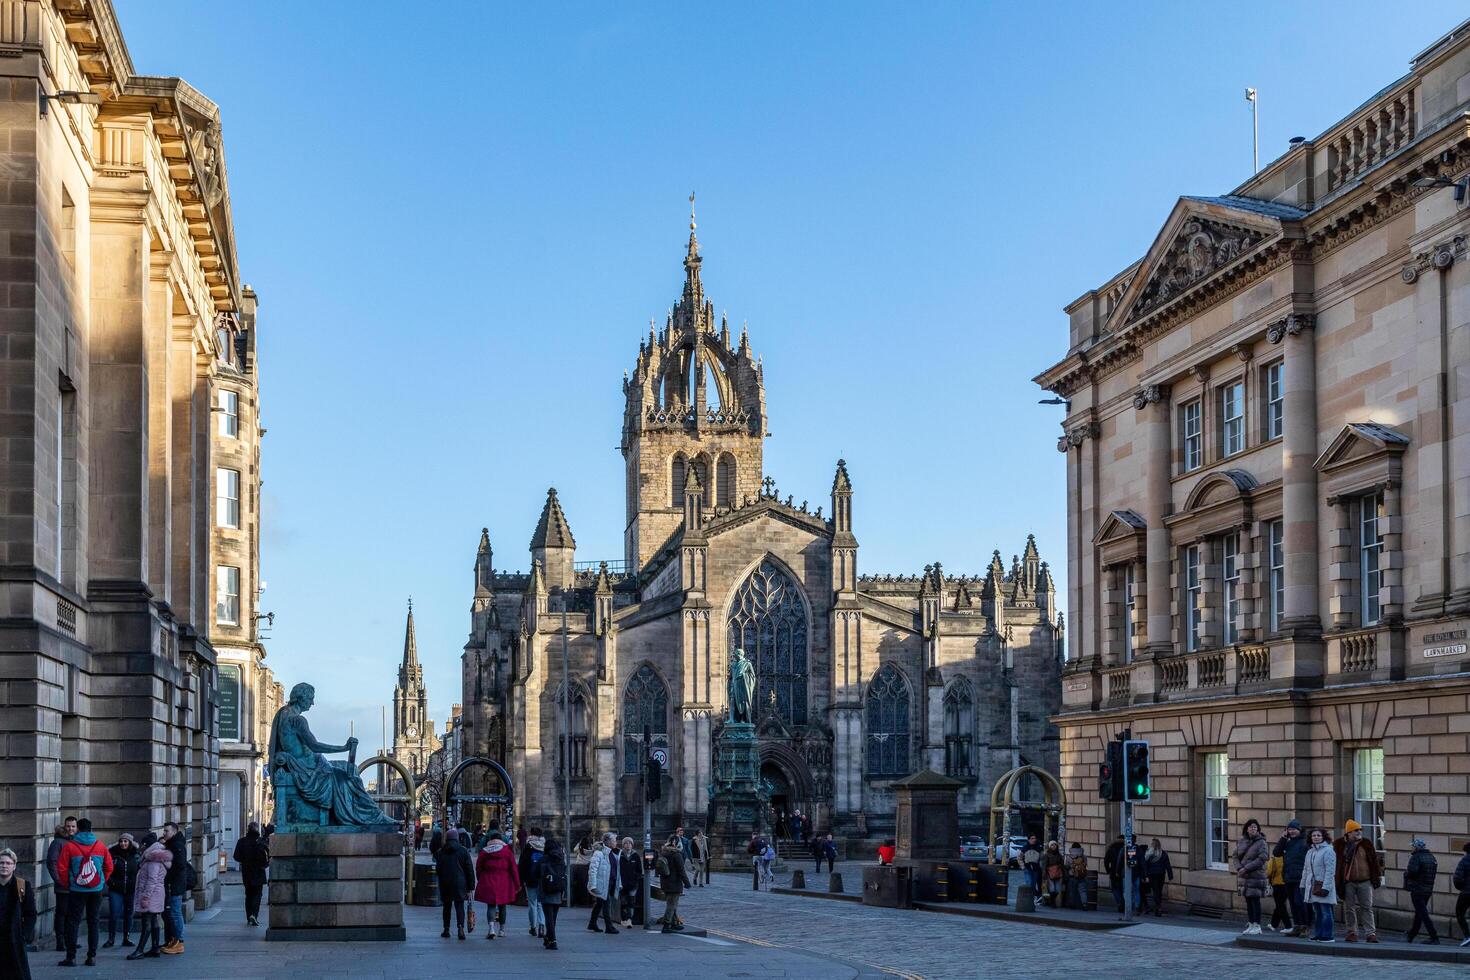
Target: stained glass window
768,622
887,723
645,704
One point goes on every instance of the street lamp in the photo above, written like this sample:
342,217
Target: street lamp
1460,186
68,97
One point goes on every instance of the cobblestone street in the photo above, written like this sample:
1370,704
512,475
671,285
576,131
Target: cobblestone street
750,935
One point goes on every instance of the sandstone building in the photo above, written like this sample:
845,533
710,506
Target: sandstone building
249,694
120,299
1268,464
863,679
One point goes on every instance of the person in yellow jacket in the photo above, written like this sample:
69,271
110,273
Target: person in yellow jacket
1281,915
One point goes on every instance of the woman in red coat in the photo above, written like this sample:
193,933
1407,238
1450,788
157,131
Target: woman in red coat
497,881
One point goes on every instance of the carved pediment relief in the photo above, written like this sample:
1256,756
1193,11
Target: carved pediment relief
1201,248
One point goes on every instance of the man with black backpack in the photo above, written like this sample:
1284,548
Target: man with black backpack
179,883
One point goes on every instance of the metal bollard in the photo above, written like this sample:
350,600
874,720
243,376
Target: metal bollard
1025,899
834,885
798,878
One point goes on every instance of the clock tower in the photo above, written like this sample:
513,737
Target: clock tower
413,732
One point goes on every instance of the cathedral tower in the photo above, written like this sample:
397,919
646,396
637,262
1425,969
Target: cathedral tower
412,729
694,405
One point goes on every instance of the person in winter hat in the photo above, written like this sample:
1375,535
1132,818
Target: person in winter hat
599,883
528,866
120,886
456,881
1292,849
497,882
1419,883
1359,870
150,896
83,869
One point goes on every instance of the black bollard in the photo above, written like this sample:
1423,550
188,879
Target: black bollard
798,878
1025,899
834,884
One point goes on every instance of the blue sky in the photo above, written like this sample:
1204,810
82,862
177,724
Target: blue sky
461,216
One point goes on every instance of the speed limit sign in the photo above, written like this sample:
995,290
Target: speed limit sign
661,756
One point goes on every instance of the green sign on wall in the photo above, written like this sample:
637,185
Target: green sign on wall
229,702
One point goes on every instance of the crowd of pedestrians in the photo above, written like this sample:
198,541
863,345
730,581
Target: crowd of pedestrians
484,866
1307,874
143,882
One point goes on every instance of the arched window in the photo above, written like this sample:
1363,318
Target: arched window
959,730
768,622
676,481
725,481
645,705
571,732
887,724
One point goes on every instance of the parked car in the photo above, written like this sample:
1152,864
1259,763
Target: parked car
1017,845
974,849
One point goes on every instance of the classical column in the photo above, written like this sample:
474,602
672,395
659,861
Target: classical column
1299,475
1153,403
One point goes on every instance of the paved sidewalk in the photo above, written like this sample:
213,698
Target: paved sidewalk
220,946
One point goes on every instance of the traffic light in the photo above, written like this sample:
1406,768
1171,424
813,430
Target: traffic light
1110,773
1137,787
655,780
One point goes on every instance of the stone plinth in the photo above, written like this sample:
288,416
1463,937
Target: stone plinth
736,803
928,817
336,887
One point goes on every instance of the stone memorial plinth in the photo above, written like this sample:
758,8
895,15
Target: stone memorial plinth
928,832
336,887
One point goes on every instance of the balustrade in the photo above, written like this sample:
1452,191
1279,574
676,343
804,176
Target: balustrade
1358,652
1367,141
1253,665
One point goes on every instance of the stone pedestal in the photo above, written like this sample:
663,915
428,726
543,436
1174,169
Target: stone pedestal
336,887
736,799
928,824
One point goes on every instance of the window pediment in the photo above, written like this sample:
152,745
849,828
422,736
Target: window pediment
1220,501
1122,537
1363,455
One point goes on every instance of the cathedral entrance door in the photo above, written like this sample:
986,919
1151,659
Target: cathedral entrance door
781,802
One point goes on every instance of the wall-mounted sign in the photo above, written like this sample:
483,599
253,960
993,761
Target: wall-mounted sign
1450,650
1445,636
1078,685
229,703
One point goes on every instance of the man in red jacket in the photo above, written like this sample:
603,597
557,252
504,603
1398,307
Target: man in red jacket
83,868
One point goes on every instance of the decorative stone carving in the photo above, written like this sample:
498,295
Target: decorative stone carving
1244,352
1149,395
1293,324
1201,249
1201,372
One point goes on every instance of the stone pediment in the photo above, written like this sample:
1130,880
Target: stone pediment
1203,237
1118,525
1361,441
1219,488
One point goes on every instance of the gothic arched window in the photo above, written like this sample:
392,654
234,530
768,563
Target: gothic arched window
700,465
959,729
676,481
571,731
768,622
886,724
725,481
645,705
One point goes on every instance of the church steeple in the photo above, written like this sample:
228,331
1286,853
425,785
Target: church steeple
693,288
410,674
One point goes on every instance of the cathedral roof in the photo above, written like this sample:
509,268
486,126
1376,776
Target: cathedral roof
552,531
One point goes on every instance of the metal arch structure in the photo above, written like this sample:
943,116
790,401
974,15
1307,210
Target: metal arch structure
409,796
1003,803
409,799
504,800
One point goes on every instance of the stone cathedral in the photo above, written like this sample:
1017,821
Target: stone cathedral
862,679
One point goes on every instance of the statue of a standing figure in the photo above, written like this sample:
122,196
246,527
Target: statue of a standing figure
311,791
742,689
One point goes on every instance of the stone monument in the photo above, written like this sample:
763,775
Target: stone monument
337,859
737,800
928,831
